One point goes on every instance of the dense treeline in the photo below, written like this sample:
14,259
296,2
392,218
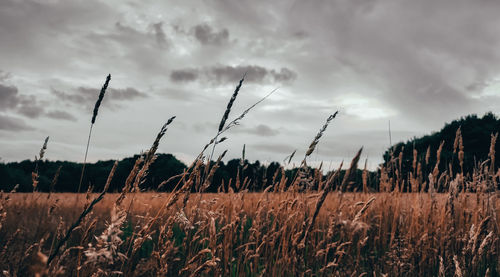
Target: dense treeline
19,173
252,176
477,135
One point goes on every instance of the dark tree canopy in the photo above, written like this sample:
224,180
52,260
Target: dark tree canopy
96,174
476,135
236,174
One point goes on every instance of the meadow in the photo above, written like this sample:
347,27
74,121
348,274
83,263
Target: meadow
420,223
253,234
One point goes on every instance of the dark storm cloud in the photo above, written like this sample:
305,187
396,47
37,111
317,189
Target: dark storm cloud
205,34
8,123
57,114
226,74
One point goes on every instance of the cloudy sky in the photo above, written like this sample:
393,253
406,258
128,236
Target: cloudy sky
418,64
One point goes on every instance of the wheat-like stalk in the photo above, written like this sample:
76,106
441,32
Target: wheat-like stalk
226,112
351,171
82,216
363,209
34,174
230,105
491,154
150,155
100,98
289,157
315,141
94,116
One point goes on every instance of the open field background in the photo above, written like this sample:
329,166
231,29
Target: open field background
252,234
435,213
249,138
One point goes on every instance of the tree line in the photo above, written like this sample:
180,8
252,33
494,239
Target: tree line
254,176
234,174
476,139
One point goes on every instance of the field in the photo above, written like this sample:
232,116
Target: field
415,216
253,234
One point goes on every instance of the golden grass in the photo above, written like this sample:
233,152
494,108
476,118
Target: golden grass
244,234
278,232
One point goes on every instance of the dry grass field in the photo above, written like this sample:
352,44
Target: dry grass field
311,225
253,234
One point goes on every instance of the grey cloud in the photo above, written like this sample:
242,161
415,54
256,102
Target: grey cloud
47,31
206,35
126,29
68,97
87,96
179,94
281,148
202,127
284,75
475,87
126,35
184,75
372,141
9,98
254,73
226,74
57,114
423,61
4,75
259,130
264,130
30,107
126,94
132,39
129,48
8,123
230,74
300,34
422,65
199,128
161,37
418,57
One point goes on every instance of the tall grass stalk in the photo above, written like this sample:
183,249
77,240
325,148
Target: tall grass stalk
94,116
34,174
82,215
226,114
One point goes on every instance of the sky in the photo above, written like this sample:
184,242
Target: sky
417,64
